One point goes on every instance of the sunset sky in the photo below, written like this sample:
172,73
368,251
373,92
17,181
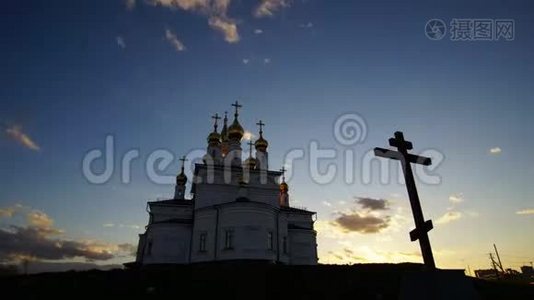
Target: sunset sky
150,73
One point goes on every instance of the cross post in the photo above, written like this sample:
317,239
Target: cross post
237,107
216,118
422,227
183,160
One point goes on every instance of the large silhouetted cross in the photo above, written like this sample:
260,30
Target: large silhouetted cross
422,227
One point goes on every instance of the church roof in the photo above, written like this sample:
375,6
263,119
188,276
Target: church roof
221,167
171,202
297,210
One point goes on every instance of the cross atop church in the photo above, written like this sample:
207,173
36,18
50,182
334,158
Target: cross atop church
283,170
237,107
260,124
216,118
422,227
183,160
250,144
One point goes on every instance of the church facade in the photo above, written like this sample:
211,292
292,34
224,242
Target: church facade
239,210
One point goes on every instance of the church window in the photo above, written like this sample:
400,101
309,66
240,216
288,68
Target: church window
229,239
270,244
202,244
149,250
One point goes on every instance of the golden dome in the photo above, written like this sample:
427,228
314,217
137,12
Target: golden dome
284,187
250,163
235,131
214,137
181,179
261,143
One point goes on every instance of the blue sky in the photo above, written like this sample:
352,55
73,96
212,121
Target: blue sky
73,73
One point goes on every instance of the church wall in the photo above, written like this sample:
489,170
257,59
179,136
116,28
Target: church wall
303,247
254,232
167,243
162,213
204,224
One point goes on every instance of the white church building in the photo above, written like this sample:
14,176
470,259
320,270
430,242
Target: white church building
238,210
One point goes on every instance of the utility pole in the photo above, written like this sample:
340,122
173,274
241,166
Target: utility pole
494,264
498,258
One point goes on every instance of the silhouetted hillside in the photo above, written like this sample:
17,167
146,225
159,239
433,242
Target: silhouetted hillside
250,281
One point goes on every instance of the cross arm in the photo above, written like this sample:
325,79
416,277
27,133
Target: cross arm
422,160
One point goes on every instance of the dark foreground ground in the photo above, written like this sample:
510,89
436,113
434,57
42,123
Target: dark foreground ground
251,281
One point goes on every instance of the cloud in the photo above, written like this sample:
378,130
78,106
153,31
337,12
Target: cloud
448,217
373,204
306,25
266,60
258,31
357,222
38,239
267,8
7,212
227,27
130,4
174,41
495,150
214,10
108,225
120,42
127,248
39,219
246,61
326,203
456,198
15,132
528,211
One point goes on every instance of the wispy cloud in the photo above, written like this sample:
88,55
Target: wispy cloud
326,203
266,60
16,133
267,8
258,31
528,211
495,150
362,223
214,10
456,198
449,217
306,25
373,204
39,239
108,225
174,41
121,42
245,61
130,4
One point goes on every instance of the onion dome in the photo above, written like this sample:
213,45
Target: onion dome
235,131
250,163
261,143
284,188
214,138
181,179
